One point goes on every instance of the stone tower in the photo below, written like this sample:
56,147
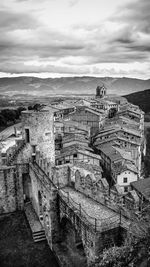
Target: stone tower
37,127
100,91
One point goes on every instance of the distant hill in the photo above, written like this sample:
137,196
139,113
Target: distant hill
69,85
142,99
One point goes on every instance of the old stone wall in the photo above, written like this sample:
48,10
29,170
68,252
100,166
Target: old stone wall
38,131
61,175
11,189
88,237
45,203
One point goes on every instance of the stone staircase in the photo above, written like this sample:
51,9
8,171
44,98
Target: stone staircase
38,233
39,236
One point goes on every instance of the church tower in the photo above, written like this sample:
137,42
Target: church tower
100,91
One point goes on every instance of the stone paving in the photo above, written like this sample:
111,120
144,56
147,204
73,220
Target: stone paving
106,218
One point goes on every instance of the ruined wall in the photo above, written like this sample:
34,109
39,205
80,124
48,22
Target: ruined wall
87,184
61,175
11,189
46,206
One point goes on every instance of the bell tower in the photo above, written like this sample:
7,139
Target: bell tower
100,91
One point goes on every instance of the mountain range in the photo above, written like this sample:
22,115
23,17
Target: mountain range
33,86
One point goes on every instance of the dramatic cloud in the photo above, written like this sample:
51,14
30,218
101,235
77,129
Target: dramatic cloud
14,20
75,37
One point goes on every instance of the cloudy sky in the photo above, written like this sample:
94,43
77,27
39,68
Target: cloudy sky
53,38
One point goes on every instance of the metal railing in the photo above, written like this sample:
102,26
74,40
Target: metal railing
98,225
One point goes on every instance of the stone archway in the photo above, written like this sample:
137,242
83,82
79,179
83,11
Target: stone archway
71,242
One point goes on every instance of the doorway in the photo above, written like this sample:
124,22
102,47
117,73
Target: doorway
27,136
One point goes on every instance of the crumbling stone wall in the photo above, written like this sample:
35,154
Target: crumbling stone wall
11,189
49,212
87,185
61,175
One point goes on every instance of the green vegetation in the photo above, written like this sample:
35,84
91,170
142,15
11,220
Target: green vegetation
9,116
133,253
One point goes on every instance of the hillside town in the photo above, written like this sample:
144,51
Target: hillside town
83,159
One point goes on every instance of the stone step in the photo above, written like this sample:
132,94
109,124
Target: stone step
42,233
39,236
39,239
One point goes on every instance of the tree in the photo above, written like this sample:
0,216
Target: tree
9,115
3,121
18,112
134,251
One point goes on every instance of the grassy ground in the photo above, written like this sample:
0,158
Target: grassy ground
17,248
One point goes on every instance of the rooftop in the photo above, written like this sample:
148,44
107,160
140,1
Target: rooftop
143,187
110,152
91,110
115,128
64,105
73,149
75,137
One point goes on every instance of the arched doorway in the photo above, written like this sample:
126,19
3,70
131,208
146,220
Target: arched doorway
71,243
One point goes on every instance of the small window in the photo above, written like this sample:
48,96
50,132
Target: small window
125,179
67,161
34,149
126,189
75,155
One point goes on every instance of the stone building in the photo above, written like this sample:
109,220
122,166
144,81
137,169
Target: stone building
76,152
129,139
75,195
100,91
92,117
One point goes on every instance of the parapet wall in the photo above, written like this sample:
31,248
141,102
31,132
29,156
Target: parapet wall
59,175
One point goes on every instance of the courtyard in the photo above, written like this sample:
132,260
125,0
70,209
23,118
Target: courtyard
17,248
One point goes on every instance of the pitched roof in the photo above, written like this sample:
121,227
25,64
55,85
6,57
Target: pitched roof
143,187
110,152
124,166
125,155
75,137
95,111
73,149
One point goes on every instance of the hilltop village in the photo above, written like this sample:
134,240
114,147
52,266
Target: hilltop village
77,163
